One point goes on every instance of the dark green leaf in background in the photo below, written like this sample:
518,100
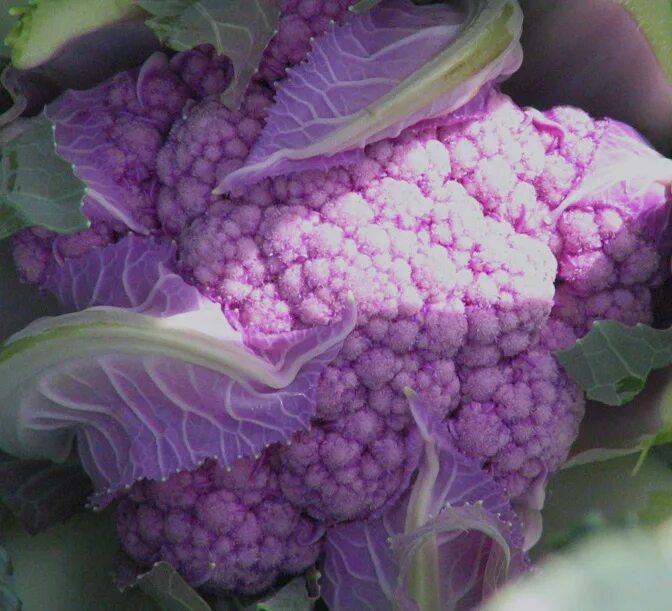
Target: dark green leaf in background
612,362
42,493
9,601
165,585
37,187
293,597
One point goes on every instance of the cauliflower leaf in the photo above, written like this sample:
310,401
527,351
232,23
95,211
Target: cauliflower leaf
165,585
147,391
612,362
240,29
40,493
379,73
448,541
37,187
9,601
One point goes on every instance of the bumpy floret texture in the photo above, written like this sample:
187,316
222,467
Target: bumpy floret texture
203,146
519,416
520,165
300,21
136,110
223,530
467,274
438,286
629,305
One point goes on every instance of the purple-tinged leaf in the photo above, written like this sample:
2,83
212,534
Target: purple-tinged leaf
528,507
449,542
111,134
147,396
379,73
135,273
626,168
469,552
360,570
42,494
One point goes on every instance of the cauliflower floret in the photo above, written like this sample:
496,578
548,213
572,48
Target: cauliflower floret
222,530
521,165
629,306
437,285
347,468
520,417
300,21
466,270
205,144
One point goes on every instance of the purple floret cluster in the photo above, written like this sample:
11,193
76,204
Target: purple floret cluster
466,269
228,530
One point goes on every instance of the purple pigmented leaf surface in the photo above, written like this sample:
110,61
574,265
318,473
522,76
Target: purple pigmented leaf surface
147,395
136,273
626,169
379,73
449,541
88,136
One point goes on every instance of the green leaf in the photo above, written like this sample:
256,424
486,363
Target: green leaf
36,186
164,584
590,524
7,22
618,571
165,8
69,566
240,29
596,496
42,493
9,601
293,597
612,362
364,5
44,27
10,88
659,508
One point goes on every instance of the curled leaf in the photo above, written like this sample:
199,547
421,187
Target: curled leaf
449,541
149,395
165,585
42,494
377,74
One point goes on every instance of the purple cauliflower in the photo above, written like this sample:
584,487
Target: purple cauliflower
206,143
228,530
474,245
457,298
